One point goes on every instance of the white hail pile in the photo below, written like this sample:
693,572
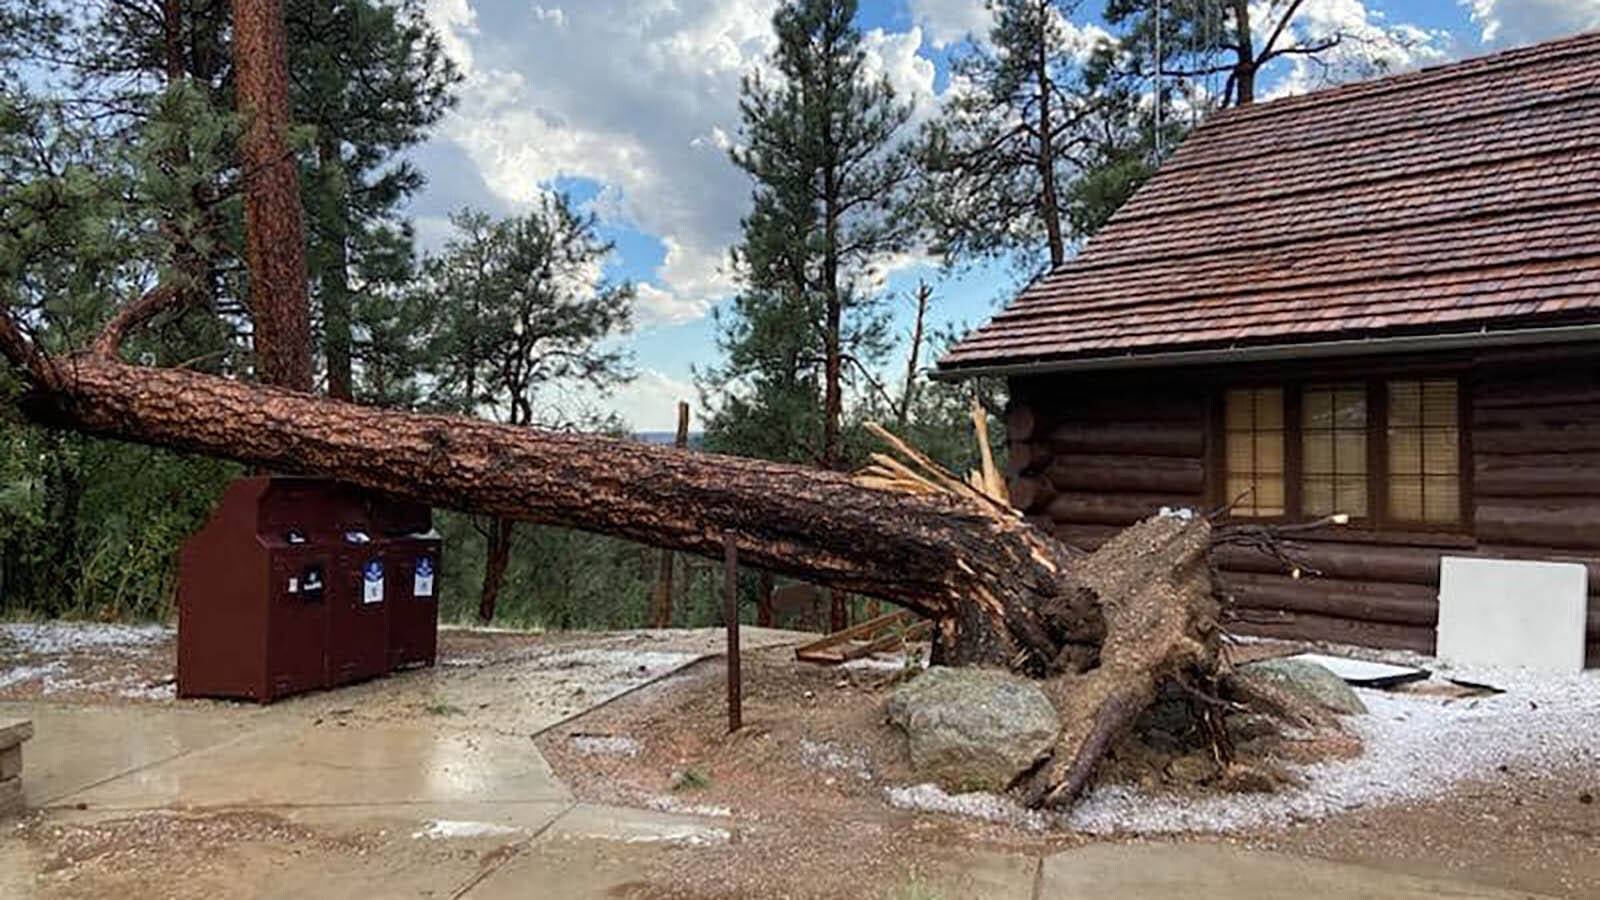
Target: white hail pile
1414,747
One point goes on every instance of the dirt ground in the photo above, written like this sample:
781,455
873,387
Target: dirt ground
810,766
794,802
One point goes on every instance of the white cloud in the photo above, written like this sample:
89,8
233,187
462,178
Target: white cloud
650,401
952,21
640,96
893,55
1512,23
1369,45
457,24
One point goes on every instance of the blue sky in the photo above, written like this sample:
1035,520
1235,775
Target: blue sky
630,105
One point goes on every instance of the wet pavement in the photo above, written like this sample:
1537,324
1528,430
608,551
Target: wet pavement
435,777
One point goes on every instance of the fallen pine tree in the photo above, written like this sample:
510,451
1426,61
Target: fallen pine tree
1107,630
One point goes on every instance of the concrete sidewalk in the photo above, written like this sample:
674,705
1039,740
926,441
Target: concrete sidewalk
429,784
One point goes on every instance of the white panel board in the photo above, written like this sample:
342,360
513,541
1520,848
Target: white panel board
1506,612
1360,671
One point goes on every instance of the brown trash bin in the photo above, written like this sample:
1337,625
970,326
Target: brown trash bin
411,565
254,587
296,584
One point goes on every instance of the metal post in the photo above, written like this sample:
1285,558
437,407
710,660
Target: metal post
730,616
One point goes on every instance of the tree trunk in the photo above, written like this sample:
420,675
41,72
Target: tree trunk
1049,202
661,611
274,242
1244,71
494,569
982,576
764,600
334,274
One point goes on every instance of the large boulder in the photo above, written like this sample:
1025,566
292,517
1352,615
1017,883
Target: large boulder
1315,683
973,729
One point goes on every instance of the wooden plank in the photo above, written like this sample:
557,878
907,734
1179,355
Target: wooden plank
1149,439
1030,493
828,649
1504,477
1574,439
1555,522
1351,562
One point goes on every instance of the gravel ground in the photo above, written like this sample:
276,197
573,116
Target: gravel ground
1415,747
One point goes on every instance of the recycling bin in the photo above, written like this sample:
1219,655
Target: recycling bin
358,611
411,569
296,584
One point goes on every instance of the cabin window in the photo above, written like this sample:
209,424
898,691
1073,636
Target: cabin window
1424,439
1333,450
1254,444
1386,453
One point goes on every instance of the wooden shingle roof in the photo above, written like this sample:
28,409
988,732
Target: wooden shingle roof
1445,200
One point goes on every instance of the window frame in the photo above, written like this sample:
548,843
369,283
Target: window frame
1378,517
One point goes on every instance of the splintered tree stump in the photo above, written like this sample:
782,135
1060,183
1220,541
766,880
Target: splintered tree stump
1154,592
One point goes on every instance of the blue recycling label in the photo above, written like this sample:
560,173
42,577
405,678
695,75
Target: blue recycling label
372,589
424,566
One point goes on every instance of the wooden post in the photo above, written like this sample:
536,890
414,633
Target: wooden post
764,600
730,616
661,610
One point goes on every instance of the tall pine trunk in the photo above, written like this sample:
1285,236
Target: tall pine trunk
334,274
274,232
497,560
1049,202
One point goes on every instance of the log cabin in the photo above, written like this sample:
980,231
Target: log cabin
1381,299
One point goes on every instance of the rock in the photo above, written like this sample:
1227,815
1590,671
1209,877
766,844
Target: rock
1315,682
973,729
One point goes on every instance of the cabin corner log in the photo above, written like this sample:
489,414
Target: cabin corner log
981,575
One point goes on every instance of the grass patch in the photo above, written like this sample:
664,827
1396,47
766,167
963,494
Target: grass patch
690,779
916,887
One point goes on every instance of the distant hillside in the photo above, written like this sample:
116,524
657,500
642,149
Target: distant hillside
666,437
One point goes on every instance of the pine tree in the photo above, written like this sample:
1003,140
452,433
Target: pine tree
1235,40
523,313
1037,146
822,140
372,79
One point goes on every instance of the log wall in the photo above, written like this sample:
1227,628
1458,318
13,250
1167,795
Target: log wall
1093,453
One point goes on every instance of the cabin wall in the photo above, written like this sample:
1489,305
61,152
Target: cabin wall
1093,453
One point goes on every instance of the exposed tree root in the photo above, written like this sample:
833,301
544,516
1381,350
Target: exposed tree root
1153,583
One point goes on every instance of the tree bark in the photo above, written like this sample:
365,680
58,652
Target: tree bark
334,277
1244,70
661,610
274,241
494,570
983,577
1049,202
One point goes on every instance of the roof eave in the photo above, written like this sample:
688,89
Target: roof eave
1484,336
